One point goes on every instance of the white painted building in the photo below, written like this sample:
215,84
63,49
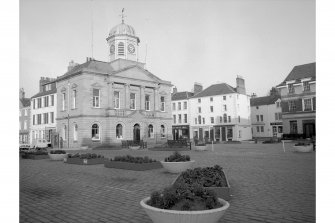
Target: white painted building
43,111
221,113
266,117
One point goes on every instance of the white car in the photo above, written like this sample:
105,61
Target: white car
39,144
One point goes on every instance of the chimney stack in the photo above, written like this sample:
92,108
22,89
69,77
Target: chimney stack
197,88
253,95
22,94
240,85
72,64
174,90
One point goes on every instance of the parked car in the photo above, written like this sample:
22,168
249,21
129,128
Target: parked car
24,147
39,144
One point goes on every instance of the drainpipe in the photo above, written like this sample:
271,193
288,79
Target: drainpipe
68,115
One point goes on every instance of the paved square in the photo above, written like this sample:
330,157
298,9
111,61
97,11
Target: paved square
267,184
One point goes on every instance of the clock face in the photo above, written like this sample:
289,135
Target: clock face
131,48
112,49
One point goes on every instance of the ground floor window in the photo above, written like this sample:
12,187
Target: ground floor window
75,132
119,131
293,127
162,131
230,133
64,132
95,132
280,129
150,131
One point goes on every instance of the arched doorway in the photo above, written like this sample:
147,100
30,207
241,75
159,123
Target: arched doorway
137,132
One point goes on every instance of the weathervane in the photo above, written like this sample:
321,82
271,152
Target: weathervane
123,16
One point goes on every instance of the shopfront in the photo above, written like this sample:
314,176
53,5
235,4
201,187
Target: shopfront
181,132
277,129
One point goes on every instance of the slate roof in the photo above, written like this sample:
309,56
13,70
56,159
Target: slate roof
216,89
267,100
25,102
52,91
301,71
104,68
181,95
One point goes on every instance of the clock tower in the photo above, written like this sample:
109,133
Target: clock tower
123,42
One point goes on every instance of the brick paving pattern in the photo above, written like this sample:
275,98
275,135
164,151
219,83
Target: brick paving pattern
267,184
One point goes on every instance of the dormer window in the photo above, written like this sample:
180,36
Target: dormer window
290,88
306,85
121,49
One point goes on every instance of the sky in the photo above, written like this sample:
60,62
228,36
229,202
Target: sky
187,41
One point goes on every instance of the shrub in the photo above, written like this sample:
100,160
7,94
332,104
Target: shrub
206,177
37,152
86,156
177,157
57,152
132,159
302,144
184,197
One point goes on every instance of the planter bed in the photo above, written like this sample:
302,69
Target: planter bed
34,156
79,161
133,166
222,192
169,149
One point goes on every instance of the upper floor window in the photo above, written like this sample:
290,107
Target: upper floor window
185,118
239,118
308,104
116,99
34,103
199,100
74,98
261,116
96,98
63,101
199,119
46,101
162,104
33,119
52,118
147,102
48,87
195,121
290,88
306,85
224,107
278,116
174,119
225,118
291,106
278,104
185,104
212,120
25,124
199,109
179,105
257,118
39,102
95,132
224,98
52,100
229,119
211,99
179,118
46,118
132,101
212,108
121,49
203,120
220,119
174,106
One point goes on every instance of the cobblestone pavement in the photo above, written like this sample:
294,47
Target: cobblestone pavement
267,184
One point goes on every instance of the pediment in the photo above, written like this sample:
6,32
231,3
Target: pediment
74,85
137,115
137,73
63,89
96,85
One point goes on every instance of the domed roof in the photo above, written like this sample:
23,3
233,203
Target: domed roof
122,29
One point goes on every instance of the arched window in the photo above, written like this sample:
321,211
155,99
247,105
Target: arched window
120,47
119,131
150,131
95,132
162,131
75,132
64,132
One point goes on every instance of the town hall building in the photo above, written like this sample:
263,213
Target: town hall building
103,103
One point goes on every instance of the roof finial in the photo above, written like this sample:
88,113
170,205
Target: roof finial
122,15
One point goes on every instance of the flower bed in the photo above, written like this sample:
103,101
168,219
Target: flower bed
57,155
210,177
133,163
37,155
182,202
303,147
177,163
85,159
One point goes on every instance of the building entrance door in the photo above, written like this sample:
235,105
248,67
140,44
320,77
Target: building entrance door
223,133
274,131
309,130
201,138
137,132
